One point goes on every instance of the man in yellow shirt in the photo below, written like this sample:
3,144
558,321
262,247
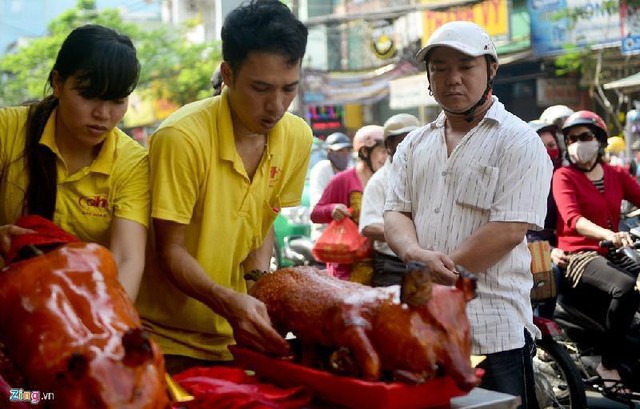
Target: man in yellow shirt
221,169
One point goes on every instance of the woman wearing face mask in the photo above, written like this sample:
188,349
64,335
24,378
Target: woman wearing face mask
588,194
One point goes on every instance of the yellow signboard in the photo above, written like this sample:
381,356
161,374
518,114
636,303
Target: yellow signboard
492,15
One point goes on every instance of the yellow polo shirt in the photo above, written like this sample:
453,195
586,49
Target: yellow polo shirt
116,184
198,179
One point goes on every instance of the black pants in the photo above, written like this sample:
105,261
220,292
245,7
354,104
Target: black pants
606,292
387,270
512,372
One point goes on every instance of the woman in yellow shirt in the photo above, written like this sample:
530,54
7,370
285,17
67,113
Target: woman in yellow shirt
63,157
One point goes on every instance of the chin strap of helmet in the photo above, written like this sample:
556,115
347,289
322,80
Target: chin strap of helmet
586,170
367,159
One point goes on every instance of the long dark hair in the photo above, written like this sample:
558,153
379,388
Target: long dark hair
105,66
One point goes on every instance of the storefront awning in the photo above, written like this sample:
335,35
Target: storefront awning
515,57
628,84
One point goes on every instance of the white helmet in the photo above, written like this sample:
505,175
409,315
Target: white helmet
556,114
465,36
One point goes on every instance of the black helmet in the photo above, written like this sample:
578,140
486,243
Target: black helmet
337,141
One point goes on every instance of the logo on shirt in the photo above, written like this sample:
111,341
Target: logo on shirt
274,175
97,205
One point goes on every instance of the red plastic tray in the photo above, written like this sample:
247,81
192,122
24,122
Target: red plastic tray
346,391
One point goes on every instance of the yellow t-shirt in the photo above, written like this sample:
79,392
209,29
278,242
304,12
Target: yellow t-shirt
116,184
198,179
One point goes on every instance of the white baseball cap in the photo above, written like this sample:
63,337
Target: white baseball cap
400,124
464,36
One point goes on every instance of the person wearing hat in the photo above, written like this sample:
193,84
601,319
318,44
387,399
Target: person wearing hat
343,195
387,267
556,115
339,150
466,188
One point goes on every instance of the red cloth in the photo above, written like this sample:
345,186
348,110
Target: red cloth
576,196
47,234
221,387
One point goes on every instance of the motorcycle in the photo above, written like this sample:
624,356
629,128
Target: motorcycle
297,250
558,379
583,335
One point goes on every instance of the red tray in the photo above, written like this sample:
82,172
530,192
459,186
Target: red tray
346,391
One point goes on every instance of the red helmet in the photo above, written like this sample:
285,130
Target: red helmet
589,119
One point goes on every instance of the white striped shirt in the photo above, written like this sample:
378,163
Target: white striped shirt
498,172
373,199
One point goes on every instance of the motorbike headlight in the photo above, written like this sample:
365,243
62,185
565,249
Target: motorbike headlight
296,215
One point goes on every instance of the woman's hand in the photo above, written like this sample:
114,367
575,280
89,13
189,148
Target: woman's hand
6,236
620,239
340,212
559,257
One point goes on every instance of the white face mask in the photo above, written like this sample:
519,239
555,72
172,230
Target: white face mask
583,152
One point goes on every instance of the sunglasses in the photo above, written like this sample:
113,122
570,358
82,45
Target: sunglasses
583,137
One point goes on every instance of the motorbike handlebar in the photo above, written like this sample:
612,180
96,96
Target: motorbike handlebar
606,244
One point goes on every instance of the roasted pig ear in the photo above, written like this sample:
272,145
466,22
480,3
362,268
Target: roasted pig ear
77,365
415,290
467,283
137,348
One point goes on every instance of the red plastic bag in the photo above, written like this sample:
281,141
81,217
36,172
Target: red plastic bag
342,243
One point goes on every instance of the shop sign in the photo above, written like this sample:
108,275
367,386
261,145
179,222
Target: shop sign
410,92
556,24
325,119
492,15
595,22
556,91
549,27
630,24
382,43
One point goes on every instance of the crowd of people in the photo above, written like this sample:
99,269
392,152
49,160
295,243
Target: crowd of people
468,190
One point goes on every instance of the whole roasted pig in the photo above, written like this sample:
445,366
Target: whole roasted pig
413,332
71,331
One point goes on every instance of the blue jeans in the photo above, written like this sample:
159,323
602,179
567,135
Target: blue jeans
512,372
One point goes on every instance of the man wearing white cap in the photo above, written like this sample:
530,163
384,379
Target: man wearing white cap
387,267
465,189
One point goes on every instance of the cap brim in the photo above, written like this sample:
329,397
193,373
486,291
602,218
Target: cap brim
401,131
338,146
463,48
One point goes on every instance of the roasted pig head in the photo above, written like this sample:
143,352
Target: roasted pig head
71,330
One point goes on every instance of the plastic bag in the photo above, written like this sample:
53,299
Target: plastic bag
342,243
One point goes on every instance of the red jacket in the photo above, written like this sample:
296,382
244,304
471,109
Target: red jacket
577,196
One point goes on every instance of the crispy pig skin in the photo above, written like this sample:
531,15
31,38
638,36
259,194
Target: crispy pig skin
380,332
70,328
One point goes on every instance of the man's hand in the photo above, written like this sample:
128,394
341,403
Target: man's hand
6,235
340,212
559,258
441,267
252,327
